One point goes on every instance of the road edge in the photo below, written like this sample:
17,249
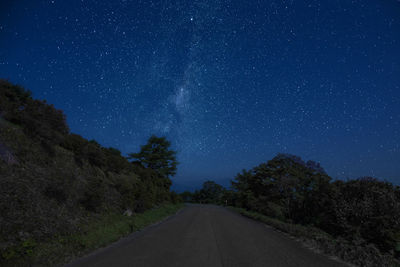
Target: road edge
123,240
318,244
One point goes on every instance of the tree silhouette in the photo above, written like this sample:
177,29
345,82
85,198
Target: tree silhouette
157,155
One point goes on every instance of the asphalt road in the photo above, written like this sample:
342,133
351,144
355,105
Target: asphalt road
206,235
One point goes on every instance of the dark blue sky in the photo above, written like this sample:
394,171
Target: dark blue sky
230,83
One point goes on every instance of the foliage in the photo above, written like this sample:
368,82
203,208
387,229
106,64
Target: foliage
351,251
39,120
368,208
156,155
115,162
365,210
98,231
187,196
175,198
53,181
210,193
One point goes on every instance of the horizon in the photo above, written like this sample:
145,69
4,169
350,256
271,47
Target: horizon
231,85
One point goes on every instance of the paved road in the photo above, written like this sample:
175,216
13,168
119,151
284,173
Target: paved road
205,235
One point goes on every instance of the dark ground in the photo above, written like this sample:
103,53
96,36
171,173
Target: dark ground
206,235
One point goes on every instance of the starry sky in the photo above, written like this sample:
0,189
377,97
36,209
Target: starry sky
230,83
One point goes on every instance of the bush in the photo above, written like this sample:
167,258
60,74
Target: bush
115,162
95,154
291,190
369,208
94,195
356,251
175,198
39,120
52,182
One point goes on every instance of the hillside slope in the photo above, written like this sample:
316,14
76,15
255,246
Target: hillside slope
52,181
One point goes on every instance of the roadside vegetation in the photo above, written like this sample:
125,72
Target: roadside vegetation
100,231
57,188
356,220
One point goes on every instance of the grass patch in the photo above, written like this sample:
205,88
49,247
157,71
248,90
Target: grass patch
355,252
296,230
114,226
100,231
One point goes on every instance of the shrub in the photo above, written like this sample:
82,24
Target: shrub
294,191
52,182
93,198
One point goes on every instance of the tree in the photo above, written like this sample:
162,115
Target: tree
369,208
187,196
157,155
211,192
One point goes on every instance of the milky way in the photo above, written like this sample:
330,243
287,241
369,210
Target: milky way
230,83
183,108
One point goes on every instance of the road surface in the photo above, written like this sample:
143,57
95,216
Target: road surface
206,235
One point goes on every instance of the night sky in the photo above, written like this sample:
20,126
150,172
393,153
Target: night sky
230,83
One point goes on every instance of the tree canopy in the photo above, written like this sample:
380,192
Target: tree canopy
157,155
301,192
